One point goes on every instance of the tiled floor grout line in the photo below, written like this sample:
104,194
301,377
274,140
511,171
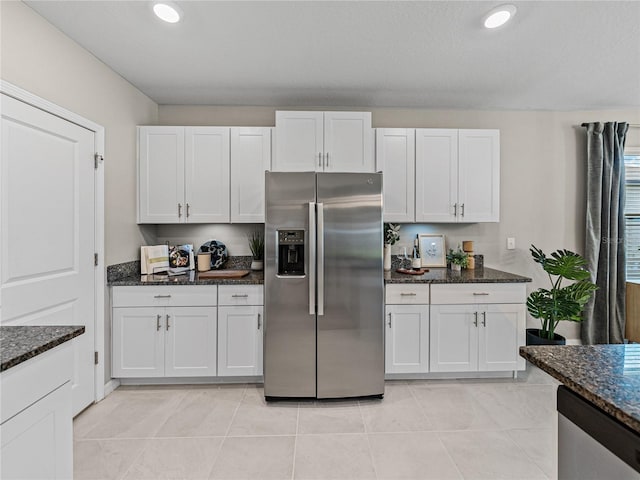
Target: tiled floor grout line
366,436
450,456
295,444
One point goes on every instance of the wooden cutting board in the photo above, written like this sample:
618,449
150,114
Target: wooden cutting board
223,274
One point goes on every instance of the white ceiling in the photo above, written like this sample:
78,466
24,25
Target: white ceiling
555,55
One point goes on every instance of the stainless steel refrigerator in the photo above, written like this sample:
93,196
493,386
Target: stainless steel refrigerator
324,285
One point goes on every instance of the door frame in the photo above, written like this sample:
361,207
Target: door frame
99,272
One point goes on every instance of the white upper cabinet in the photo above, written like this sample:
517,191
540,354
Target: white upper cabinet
457,175
160,174
323,142
395,158
206,175
250,157
183,174
479,175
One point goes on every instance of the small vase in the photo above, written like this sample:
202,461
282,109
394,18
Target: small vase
455,267
257,265
387,257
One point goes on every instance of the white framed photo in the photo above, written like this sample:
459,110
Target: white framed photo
432,250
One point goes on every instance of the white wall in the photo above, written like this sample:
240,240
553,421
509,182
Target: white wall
39,58
543,156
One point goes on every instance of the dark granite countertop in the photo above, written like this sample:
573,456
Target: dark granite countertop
445,275
20,343
608,376
191,278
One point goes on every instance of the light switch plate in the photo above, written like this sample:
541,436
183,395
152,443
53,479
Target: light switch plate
511,243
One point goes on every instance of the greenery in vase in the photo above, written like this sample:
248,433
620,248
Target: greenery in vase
391,233
458,257
558,302
256,244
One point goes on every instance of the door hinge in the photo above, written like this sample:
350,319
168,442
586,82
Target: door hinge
97,158
95,259
95,358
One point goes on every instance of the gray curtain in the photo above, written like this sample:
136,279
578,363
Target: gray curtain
604,246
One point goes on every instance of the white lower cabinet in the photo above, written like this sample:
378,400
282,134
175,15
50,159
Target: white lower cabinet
164,331
469,337
406,328
36,428
406,339
187,331
164,342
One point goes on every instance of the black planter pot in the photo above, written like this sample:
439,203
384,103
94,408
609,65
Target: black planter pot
534,338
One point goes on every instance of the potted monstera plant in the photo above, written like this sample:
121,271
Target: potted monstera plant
559,302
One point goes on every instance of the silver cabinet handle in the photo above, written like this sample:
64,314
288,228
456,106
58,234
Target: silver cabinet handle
320,253
480,293
168,322
319,159
239,296
312,258
389,323
484,319
410,294
475,321
179,210
158,327
455,209
462,210
162,296
188,207
258,321
327,161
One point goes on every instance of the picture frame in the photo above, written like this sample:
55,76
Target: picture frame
432,250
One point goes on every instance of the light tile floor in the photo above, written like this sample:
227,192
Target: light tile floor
423,429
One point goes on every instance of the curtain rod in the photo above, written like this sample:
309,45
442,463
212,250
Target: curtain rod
631,125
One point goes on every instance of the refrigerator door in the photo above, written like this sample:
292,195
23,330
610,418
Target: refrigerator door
350,300
290,321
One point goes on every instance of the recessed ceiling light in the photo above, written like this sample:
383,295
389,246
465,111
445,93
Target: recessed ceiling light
499,16
167,11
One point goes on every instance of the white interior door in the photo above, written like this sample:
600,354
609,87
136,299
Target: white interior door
47,230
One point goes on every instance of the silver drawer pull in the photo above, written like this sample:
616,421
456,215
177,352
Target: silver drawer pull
480,293
162,296
411,294
239,296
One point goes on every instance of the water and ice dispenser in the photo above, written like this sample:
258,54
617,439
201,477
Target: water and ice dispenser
291,252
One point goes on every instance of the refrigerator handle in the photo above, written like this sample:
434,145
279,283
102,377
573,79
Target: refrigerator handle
312,258
320,249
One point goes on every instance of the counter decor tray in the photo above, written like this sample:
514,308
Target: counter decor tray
406,271
223,274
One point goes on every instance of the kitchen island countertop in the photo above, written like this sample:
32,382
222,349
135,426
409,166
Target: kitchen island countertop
607,376
21,342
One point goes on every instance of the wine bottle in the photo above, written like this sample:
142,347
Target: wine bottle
415,261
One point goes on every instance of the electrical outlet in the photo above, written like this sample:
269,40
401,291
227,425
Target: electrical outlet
511,243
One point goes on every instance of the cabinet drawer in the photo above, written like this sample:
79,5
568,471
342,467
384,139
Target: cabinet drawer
407,294
450,294
165,296
240,295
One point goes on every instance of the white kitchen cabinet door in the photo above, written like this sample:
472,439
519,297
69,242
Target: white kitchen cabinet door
138,342
206,175
479,175
240,340
299,142
161,175
190,342
436,175
37,443
250,158
348,142
395,158
407,339
502,332
454,338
